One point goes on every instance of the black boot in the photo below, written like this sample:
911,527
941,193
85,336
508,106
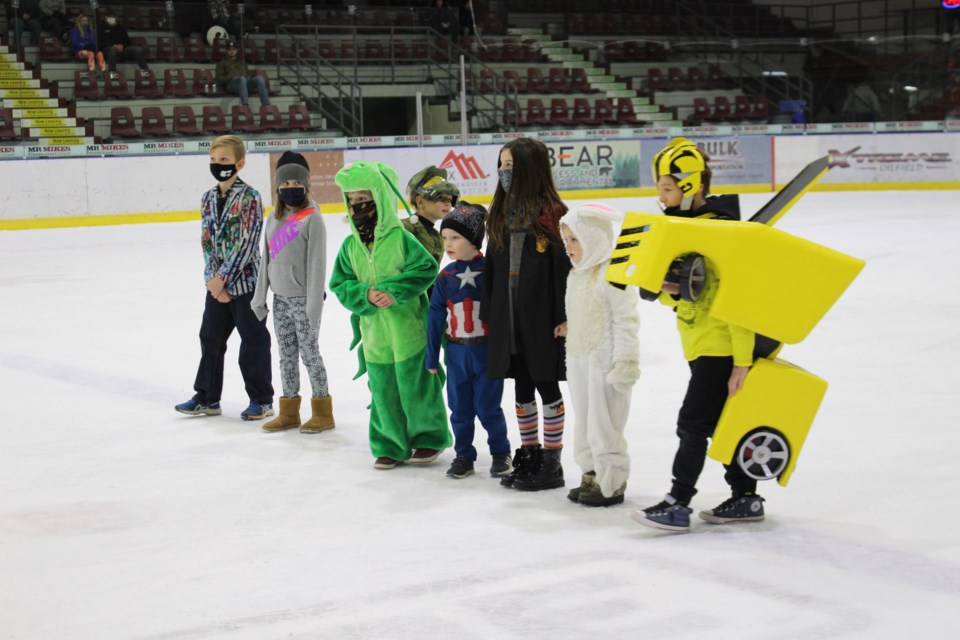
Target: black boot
525,460
547,475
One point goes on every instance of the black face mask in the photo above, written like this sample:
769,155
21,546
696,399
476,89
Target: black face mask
363,209
223,172
293,196
365,219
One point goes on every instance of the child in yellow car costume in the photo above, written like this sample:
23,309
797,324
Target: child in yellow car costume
381,275
719,354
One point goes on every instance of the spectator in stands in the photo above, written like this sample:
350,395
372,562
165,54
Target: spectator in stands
83,39
220,16
862,104
466,19
53,16
115,44
441,18
233,77
28,18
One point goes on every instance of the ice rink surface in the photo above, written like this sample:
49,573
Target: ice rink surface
120,518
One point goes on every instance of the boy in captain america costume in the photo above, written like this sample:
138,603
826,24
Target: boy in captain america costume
455,316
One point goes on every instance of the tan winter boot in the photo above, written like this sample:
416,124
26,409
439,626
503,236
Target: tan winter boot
289,417
322,418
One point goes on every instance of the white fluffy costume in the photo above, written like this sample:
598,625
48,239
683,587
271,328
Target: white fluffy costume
602,349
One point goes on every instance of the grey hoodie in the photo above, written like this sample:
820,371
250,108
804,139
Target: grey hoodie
294,261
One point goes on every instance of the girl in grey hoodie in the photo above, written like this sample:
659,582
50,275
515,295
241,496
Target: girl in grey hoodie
294,266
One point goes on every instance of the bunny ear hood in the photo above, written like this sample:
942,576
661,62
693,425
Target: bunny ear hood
381,180
594,225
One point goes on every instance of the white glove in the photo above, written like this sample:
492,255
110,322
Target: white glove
624,375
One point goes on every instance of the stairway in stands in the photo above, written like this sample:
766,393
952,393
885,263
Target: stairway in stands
557,51
43,118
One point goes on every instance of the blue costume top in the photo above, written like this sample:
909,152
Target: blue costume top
455,306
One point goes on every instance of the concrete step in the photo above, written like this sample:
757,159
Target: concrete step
48,123
66,140
609,86
524,31
19,83
562,57
24,94
53,132
39,113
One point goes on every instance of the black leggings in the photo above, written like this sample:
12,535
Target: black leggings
525,385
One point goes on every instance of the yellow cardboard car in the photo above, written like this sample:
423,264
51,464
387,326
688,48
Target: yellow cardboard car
772,283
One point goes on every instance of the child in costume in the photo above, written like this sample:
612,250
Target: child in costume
381,275
602,355
719,354
295,267
524,283
232,219
454,315
432,197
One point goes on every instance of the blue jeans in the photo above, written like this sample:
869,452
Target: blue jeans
243,87
33,25
471,395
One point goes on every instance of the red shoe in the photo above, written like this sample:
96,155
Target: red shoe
385,463
424,456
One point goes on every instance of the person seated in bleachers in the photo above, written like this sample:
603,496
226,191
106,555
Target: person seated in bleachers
83,41
114,42
233,77
441,18
53,16
28,19
220,16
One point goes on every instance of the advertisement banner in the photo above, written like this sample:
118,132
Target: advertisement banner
7,153
922,157
55,151
167,148
472,168
118,149
595,164
321,143
908,125
283,144
735,161
323,167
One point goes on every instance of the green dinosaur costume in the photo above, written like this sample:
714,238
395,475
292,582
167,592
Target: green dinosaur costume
407,409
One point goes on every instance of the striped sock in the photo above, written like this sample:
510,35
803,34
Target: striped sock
529,423
553,424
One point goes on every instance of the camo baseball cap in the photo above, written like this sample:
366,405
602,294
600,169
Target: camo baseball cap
432,184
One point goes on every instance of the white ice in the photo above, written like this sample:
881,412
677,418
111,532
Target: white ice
120,518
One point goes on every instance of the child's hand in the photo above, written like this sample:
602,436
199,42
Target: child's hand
624,375
672,288
737,376
432,370
560,331
215,286
385,300
379,298
223,296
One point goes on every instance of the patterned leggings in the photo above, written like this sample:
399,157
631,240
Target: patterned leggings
293,334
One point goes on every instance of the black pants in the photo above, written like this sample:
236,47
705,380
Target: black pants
706,395
219,320
525,385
